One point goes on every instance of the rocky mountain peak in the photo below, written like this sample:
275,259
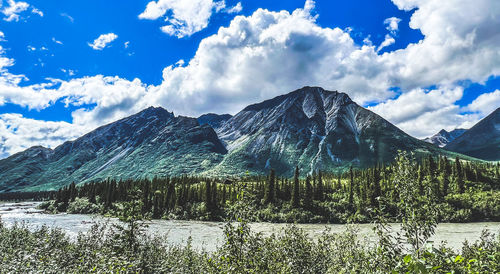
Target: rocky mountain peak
443,137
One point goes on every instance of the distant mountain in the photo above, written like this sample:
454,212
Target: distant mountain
314,129
150,143
443,137
310,127
213,120
482,140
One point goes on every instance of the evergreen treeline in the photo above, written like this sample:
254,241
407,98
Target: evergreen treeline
462,191
21,196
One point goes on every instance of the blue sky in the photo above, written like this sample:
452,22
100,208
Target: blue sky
70,66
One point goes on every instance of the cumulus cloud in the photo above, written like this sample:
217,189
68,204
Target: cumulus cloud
185,17
113,98
267,54
392,24
18,133
37,11
235,9
103,41
389,40
422,112
14,9
485,103
460,42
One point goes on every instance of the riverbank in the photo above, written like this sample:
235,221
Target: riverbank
124,247
209,235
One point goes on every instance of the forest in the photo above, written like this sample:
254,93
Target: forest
460,191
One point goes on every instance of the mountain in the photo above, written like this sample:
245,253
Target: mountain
482,140
310,127
443,137
213,120
150,143
314,129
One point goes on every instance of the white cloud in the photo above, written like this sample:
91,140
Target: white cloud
235,9
56,41
12,11
37,11
103,41
389,40
423,113
268,54
392,24
460,42
187,16
18,133
485,103
67,16
126,44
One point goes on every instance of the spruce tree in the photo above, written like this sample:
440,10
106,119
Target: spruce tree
208,195
376,186
296,188
446,176
318,195
351,185
459,175
308,195
270,188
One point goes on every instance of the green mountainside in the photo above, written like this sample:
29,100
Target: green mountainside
482,140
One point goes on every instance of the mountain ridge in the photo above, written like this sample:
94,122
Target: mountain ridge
482,140
310,127
443,137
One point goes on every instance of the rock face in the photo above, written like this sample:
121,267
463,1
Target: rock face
311,128
150,143
443,137
482,140
213,120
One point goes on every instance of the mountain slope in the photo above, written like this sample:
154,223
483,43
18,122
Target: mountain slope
314,129
443,137
482,140
151,143
213,120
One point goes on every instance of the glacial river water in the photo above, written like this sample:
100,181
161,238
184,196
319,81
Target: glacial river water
208,235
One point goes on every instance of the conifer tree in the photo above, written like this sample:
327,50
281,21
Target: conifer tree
270,188
351,185
318,195
446,176
208,195
308,194
296,188
459,175
376,186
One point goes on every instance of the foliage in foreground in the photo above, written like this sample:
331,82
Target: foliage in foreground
125,249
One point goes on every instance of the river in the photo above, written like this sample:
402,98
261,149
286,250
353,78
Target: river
208,235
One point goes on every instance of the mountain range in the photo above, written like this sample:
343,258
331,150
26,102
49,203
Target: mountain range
482,140
443,137
311,128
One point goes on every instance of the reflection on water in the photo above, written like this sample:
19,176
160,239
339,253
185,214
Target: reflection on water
208,235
